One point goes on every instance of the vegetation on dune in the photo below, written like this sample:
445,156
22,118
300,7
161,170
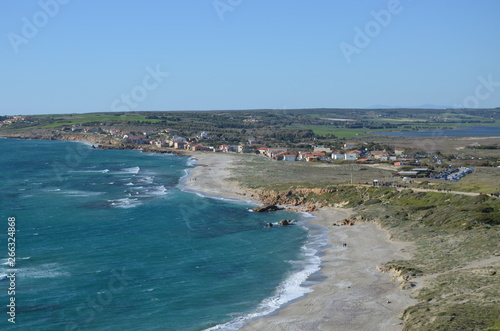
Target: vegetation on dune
455,245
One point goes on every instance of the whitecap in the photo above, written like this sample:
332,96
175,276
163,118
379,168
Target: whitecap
146,179
77,193
51,189
157,190
132,170
49,270
91,171
124,203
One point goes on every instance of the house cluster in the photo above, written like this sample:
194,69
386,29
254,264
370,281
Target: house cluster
282,154
178,142
322,153
14,119
350,151
397,157
79,128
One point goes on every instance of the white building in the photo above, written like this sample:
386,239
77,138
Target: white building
351,156
336,156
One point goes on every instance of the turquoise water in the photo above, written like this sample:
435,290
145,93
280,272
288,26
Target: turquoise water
107,240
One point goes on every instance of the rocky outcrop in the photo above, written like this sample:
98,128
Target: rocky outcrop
284,222
347,222
311,208
266,209
296,197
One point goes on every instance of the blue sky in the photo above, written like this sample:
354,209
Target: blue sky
98,56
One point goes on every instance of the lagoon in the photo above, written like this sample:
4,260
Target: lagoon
471,131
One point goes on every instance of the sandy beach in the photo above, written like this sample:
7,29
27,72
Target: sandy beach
353,294
210,177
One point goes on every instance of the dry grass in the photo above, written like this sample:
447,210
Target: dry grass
260,172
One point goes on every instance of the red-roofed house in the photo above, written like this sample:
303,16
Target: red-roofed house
279,156
271,152
262,150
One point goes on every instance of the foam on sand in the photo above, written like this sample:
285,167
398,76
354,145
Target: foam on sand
292,288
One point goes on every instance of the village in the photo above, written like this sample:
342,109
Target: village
204,142
418,166
11,120
405,163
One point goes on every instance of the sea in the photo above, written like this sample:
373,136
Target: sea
111,240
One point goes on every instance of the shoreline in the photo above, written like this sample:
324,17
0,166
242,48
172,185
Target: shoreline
98,144
348,292
210,177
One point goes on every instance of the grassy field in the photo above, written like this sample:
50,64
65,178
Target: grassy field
260,172
79,119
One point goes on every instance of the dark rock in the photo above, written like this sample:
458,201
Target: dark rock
284,222
266,209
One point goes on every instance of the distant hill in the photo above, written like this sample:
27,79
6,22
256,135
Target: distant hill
424,106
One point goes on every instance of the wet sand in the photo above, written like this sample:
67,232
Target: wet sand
211,177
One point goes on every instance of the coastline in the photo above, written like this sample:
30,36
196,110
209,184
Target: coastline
348,293
99,143
210,177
